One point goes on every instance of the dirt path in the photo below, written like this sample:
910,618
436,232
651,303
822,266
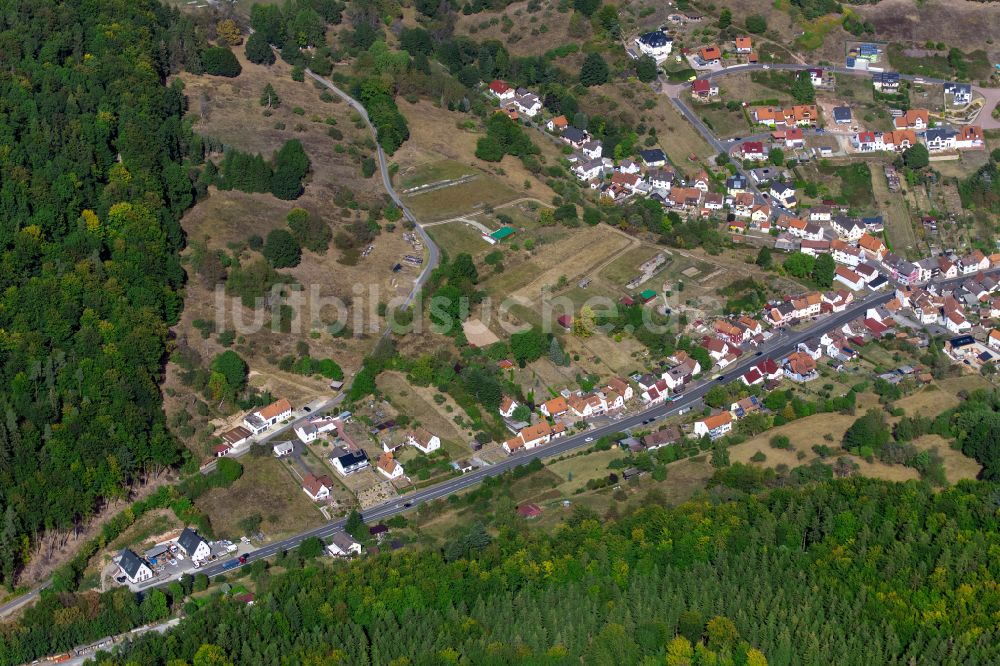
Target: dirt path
464,220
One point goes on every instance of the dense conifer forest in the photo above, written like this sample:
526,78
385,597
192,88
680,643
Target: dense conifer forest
846,572
93,180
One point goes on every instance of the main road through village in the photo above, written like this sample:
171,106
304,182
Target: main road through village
778,347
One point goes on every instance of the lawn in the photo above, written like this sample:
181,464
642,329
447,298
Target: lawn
576,471
266,488
721,121
456,237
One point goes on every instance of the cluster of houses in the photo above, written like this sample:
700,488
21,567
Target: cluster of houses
515,102
711,55
138,569
254,423
350,458
561,410
800,115
914,126
657,388
954,309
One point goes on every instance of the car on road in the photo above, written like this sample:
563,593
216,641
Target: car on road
307,409
407,504
720,378
759,353
589,439
243,559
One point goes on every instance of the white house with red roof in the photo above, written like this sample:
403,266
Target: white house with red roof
753,150
704,88
501,90
714,426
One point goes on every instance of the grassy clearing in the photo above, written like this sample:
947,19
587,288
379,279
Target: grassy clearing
625,266
456,237
418,402
966,383
854,89
433,172
481,192
928,402
855,185
815,32
720,120
267,488
957,466
898,227
575,472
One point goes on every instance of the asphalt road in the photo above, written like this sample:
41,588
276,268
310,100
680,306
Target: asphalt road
433,254
737,69
776,348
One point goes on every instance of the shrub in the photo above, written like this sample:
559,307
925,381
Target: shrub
220,61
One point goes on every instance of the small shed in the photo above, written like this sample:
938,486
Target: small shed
502,233
529,510
647,295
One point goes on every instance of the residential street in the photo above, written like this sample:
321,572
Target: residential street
776,348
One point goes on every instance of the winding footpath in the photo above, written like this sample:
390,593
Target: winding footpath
434,255
433,258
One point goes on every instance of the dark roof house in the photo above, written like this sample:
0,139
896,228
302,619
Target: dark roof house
189,540
131,563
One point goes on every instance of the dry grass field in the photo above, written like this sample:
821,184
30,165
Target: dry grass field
529,33
418,402
962,23
576,471
931,401
742,88
267,488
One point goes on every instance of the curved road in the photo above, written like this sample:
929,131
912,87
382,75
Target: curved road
432,250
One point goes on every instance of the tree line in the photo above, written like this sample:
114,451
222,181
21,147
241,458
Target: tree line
854,571
96,171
